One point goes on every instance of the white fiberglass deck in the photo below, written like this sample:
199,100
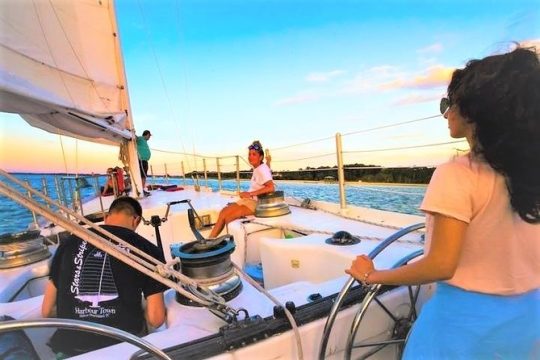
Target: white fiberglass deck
294,268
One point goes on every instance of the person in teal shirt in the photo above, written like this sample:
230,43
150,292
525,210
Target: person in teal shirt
144,155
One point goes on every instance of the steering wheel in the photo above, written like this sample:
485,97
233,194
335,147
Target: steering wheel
86,326
370,295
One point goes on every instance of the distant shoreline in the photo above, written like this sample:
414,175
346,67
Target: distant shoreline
350,183
322,182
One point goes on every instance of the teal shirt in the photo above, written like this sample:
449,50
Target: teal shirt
143,149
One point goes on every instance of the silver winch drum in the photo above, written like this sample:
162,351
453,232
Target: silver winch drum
22,248
271,205
210,263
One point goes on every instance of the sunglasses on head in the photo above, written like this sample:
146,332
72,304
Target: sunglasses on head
255,147
444,105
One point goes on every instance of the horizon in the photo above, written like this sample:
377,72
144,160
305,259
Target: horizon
321,168
209,77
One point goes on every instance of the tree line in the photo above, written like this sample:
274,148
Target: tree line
353,172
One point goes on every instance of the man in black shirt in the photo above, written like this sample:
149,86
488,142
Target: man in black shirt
88,284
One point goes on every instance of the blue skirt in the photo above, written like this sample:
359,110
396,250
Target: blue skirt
460,324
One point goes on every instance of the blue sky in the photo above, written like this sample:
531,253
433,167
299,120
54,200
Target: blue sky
211,76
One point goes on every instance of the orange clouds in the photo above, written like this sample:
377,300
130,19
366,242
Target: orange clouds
434,76
19,154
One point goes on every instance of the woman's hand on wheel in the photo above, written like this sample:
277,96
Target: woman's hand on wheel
361,267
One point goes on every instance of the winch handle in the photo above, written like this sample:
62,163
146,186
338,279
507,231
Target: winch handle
191,219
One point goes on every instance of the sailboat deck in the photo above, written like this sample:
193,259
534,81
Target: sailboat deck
294,268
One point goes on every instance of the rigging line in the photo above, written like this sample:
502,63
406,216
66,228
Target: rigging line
309,170
349,168
76,157
186,82
244,160
305,158
404,147
346,167
63,153
51,55
161,77
391,191
92,82
197,155
303,143
391,125
357,132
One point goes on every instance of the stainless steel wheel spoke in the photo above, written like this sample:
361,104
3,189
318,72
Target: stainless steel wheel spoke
379,343
385,309
413,298
372,352
400,327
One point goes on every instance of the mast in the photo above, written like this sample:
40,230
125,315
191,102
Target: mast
128,149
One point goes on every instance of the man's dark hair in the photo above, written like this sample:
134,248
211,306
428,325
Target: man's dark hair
127,205
146,132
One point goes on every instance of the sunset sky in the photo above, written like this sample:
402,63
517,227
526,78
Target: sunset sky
208,77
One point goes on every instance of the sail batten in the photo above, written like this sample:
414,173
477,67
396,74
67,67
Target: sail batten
59,68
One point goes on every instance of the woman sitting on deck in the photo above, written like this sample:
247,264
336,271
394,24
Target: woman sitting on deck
261,183
115,174
482,221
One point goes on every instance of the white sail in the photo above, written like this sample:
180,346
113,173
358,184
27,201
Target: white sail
59,68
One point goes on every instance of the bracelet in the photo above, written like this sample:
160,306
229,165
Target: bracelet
366,276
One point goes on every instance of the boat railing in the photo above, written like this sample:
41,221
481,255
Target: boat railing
69,191
223,171
224,165
318,151
116,247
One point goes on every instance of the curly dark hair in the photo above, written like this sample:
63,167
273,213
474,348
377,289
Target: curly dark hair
500,95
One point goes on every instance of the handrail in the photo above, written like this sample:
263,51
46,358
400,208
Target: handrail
393,125
339,152
12,325
307,157
405,147
192,154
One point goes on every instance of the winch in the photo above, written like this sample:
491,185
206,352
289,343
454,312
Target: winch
208,261
271,205
22,249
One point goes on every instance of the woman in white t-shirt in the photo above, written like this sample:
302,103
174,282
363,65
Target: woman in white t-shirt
482,221
261,183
